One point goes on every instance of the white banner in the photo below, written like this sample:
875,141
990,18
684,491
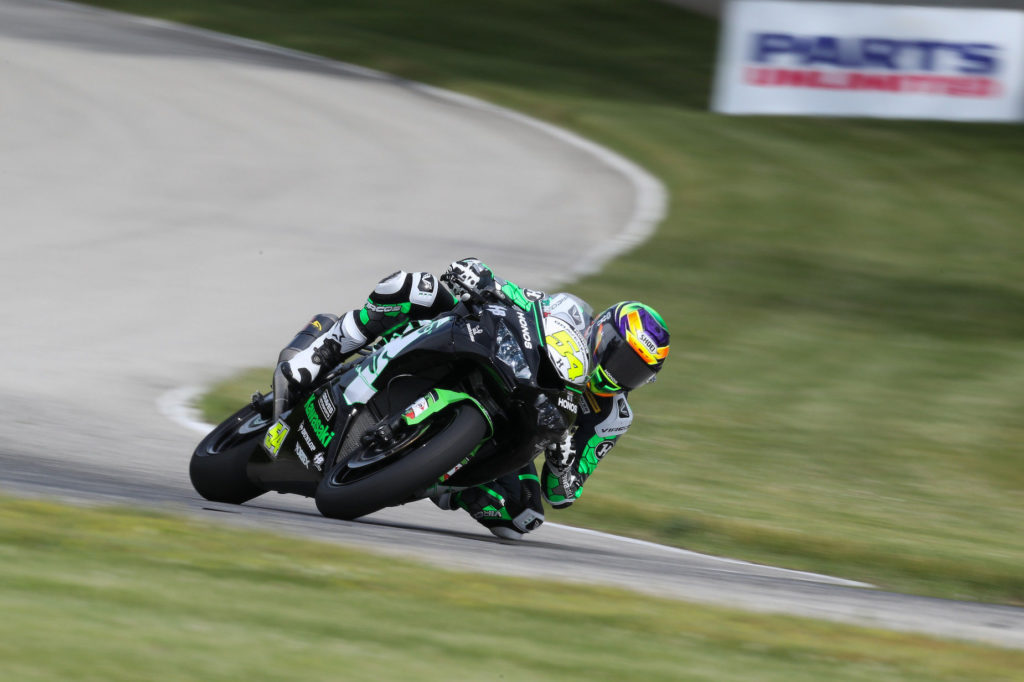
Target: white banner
778,57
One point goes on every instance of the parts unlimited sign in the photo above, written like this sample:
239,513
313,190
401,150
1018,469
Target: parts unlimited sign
870,60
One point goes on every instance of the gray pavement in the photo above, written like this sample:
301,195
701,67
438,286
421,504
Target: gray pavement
177,204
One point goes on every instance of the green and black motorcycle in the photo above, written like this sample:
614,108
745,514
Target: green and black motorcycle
466,397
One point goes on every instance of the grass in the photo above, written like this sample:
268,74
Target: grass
846,388
112,594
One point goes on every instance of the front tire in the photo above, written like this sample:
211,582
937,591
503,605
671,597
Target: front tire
219,463
397,482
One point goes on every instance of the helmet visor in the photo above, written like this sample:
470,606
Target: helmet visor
619,368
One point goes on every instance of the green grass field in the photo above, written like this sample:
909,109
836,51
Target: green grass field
109,594
846,387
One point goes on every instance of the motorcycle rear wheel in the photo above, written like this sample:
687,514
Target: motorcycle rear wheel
220,461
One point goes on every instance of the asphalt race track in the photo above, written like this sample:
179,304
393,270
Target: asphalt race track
176,204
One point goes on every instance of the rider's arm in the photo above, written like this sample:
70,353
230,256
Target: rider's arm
471,278
568,465
398,299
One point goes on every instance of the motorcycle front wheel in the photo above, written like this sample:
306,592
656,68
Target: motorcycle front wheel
348,493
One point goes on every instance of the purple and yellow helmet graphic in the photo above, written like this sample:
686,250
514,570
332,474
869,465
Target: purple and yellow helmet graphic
628,343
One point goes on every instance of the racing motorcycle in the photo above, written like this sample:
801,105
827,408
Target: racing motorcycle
455,402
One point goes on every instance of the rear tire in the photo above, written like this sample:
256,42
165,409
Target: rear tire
397,482
220,461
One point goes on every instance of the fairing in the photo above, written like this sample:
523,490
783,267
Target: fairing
454,353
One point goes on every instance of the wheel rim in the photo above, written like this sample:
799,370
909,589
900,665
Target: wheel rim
366,461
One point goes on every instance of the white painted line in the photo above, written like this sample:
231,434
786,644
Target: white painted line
176,405
650,202
817,577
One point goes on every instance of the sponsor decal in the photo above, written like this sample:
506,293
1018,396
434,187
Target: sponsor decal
426,284
497,310
576,315
567,404
568,480
451,472
316,323
318,462
881,63
303,457
473,330
525,328
640,340
854,58
602,449
382,308
618,422
648,342
417,408
306,437
533,294
920,54
326,406
322,431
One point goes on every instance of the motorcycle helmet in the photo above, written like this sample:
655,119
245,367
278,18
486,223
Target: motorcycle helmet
628,346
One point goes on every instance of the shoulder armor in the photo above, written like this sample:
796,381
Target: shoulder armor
619,418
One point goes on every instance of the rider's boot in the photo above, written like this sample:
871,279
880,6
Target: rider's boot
509,507
298,367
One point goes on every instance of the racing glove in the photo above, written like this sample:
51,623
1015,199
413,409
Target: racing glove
561,485
560,478
471,277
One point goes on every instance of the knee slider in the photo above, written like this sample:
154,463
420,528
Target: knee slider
527,520
491,510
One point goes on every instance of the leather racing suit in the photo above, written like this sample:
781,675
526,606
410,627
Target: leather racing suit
509,506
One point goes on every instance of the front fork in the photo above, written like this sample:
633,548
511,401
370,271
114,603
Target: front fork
389,432
434,401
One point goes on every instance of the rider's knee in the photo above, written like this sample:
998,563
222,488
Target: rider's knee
505,517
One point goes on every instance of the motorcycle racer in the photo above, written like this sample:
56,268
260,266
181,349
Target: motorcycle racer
628,344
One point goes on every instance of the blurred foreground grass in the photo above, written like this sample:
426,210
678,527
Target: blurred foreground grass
846,389
114,594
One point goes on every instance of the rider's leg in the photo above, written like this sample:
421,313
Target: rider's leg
397,299
318,328
509,506
300,363
327,350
